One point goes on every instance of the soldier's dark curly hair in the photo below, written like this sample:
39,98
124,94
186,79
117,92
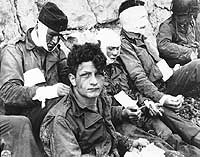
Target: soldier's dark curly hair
85,53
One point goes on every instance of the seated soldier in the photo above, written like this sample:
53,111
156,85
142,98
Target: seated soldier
178,36
118,80
16,138
33,68
152,76
80,124
178,39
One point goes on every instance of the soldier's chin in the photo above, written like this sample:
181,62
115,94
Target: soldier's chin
94,94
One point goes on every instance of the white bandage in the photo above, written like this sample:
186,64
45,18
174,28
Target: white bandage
33,77
108,37
43,93
134,18
164,68
40,39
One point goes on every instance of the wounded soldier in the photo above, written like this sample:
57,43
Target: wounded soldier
80,124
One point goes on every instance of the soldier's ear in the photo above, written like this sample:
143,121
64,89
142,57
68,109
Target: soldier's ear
72,79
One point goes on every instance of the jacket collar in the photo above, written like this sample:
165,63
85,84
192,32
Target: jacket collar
136,38
82,106
90,117
29,42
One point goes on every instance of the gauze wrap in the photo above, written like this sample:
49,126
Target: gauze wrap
134,19
108,37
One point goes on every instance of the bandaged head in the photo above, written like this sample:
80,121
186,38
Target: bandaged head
51,22
133,18
110,44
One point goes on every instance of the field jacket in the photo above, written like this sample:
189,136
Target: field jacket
141,65
175,45
18,58
72,129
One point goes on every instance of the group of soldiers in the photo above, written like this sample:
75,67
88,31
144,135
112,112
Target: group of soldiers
108,97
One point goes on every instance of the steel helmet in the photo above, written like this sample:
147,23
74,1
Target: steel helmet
185,7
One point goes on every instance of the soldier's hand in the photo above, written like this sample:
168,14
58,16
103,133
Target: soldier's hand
114,153
50,92
173,102
131,113
154,108
62,89
194,54
139,143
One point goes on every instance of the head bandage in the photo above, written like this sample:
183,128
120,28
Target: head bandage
42,32
39,37
108,38
133,18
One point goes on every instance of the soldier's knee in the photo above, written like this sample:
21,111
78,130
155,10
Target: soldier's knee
161,129
195,69
196,140
19,122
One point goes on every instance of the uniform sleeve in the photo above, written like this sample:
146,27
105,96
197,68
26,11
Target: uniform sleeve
137,73
12,91
112,111
170,50
116,114
63,143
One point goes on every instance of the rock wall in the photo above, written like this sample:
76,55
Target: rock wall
16,16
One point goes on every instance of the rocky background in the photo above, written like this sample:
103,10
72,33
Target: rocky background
16,16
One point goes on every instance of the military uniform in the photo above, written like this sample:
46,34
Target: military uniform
142,69
72,129
175,44
18,58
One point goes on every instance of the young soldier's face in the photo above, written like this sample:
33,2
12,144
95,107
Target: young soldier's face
88,82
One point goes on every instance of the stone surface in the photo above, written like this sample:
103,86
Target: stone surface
16,16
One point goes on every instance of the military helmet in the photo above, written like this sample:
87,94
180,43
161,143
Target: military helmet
183,7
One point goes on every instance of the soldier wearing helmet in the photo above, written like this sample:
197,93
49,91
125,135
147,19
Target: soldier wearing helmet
177,38
185,7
